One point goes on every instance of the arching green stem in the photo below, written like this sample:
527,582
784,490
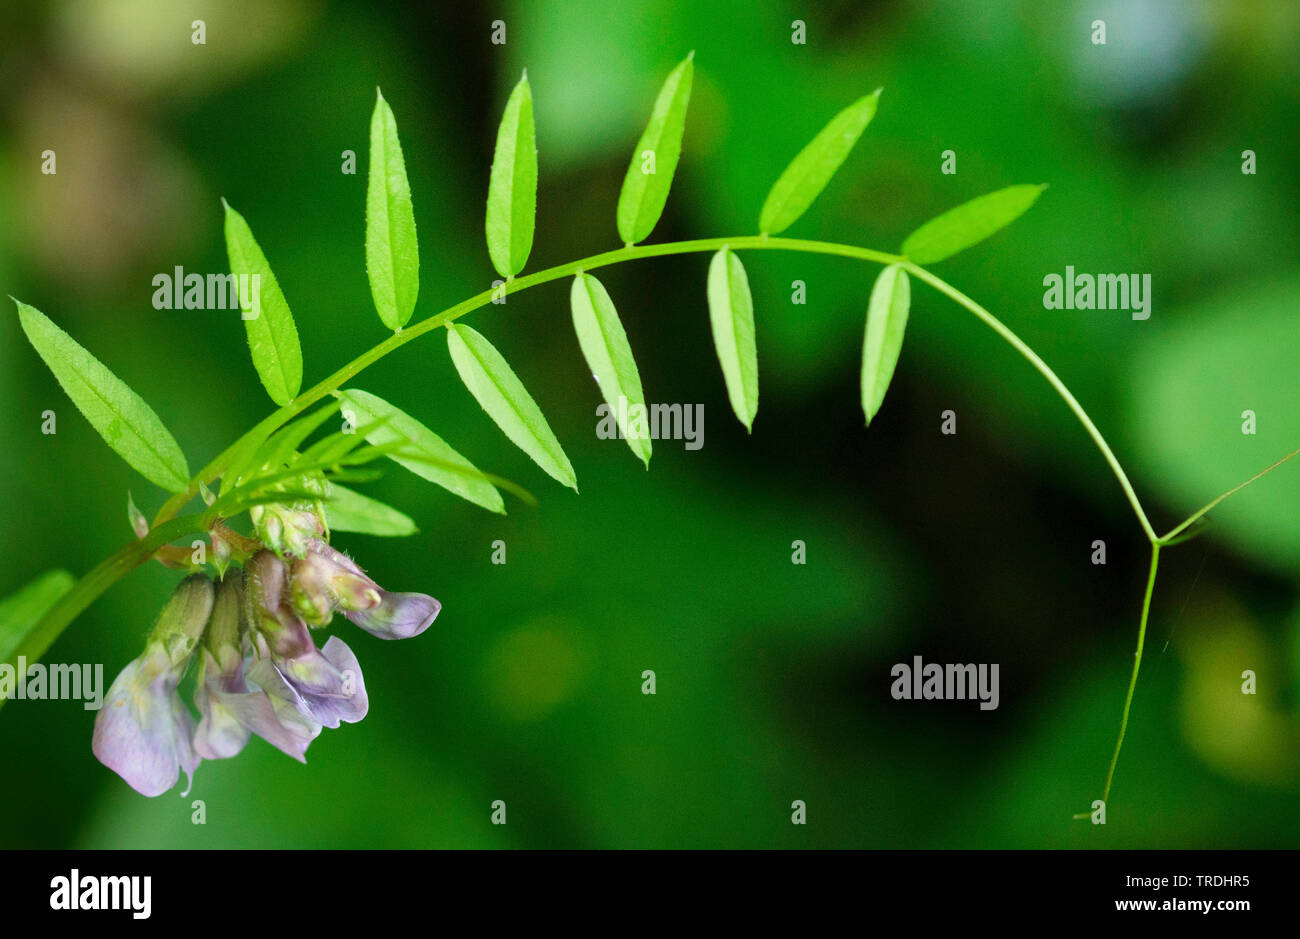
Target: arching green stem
1059,386
398,339
167,526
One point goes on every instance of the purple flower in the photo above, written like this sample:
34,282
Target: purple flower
143,731
324,685
259,670
326,579
230,710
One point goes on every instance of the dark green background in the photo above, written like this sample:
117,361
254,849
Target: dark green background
772,678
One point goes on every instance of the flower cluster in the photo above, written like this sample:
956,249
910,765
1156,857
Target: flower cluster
259,670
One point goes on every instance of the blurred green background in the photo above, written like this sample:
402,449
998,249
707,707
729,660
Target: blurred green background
773,679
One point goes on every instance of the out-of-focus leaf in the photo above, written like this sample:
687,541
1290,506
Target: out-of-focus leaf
969,223
502,395
23,609
399,426
512,189
348,510
886,323
654,161
282,446
731,312
272,335
392,253
121,416
810,171
1190,388
605,347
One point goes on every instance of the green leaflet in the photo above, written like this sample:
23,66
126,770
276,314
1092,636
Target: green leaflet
121,416
348,510
810,171
23,609
731,311
969,223
512,190
392,254
886,323
499,392
605,347
272,336
642,198
459,477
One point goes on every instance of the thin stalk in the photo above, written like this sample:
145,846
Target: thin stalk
1019,345
1137,664
108,572
1191,519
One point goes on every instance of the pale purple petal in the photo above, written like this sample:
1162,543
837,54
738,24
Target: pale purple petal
220,734
143,731
272,714
398,616
327,685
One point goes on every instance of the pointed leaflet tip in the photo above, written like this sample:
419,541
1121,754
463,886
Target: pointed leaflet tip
645,189
512,187
691,56
119,415
970,223
811,170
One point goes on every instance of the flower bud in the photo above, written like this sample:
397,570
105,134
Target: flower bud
222,553
224,637
183,619
266,579
310,593
289,528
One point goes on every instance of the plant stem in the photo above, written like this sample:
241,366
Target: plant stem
103,576
167,526
1137,664
635,252
1174,533
86,590
1019,345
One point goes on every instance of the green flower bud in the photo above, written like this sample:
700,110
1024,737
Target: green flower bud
182,621
224,636
288,529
